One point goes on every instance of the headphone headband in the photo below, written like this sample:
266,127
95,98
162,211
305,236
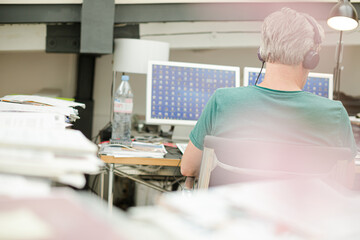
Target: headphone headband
312,58
317,38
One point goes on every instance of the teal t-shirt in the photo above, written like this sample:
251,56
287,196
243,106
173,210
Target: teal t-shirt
255,112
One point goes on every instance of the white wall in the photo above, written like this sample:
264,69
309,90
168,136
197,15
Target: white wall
28,72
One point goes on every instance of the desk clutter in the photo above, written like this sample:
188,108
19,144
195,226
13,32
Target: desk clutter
40,104
137,149
35,142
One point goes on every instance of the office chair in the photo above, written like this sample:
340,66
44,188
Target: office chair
227,161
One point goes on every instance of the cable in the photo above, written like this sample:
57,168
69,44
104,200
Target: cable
262,66
112,94
106,126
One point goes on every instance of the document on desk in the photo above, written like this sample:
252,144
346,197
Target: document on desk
33,103
41,100
38,163
138,149
65,141
32,120
17,107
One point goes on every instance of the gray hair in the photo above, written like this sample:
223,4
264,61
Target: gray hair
286,37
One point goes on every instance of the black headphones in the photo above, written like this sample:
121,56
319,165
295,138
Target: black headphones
311,58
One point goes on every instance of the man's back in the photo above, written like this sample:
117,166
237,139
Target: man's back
282,116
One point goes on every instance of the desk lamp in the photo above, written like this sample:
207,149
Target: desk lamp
133,55
342,17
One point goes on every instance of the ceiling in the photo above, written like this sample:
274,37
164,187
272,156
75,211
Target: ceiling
151,1
192,35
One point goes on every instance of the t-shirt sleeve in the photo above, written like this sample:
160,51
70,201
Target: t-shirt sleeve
205,123
347,133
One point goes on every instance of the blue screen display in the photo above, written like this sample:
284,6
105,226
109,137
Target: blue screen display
181,93
316,85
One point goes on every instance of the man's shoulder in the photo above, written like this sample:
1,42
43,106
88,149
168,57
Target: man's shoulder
226,92
324,101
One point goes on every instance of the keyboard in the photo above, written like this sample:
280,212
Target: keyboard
182,147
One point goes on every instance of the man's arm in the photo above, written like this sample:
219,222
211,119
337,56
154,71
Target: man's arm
191,160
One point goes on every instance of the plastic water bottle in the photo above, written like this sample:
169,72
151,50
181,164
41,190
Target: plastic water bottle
123,106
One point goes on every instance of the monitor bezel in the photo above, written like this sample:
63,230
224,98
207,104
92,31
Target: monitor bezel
311,74
148,119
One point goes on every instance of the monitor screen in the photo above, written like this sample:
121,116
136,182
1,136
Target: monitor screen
318,83
177,92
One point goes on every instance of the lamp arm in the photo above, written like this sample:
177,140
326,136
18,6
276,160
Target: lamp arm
337,68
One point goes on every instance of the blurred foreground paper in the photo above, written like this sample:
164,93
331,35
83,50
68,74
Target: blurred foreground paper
309,208
22,223
62,141
62,215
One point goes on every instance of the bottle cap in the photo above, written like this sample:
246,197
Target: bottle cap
124,77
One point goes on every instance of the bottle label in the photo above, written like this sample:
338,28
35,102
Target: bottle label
123,106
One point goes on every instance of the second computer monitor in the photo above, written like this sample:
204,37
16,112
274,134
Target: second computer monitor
317,83
177,92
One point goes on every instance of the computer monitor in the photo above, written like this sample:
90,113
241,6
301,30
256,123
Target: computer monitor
177,92
318,83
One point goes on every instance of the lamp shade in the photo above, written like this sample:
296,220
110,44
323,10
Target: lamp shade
343,16
133,55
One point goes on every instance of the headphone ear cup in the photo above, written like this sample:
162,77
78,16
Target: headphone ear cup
311,59
259,55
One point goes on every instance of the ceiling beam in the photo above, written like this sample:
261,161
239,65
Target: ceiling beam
188,12
39,13
176,12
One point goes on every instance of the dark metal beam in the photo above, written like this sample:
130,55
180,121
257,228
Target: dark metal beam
63,38
184,12
97,26
142,13
85,78
127,31
84,93
40,13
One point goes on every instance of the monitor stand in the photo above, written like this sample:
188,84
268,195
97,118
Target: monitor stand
181,133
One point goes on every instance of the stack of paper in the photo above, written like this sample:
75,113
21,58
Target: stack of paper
63,155
40,104
32,120
34,141
138,149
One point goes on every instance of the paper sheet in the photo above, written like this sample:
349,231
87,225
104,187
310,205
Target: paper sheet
32,120
63,141
43,100
17,107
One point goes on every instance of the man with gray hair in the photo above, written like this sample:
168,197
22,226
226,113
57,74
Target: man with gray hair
277,109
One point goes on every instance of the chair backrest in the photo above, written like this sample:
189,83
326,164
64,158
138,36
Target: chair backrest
227,161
